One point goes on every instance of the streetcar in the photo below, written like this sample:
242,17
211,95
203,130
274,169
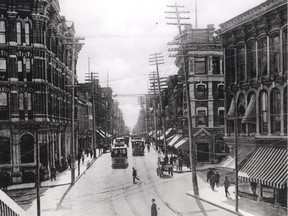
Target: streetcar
119,155
138,147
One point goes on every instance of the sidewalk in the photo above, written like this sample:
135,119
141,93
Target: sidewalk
246,207
55,190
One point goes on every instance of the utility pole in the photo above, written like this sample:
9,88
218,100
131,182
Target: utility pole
37,173
192,148
154,104
236,155
91,77
75,41
155,60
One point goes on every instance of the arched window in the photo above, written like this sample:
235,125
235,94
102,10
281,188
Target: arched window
27,33
27,149
3,69
275,102
274,53
4,111
19,32
2,32
28,69
20,70
262,56
251,60
263,114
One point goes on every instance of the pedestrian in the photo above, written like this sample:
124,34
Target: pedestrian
82,157
253,187
226,186
134,174
166,159
212,181
69,160
209,174
217,175
180,163
154,211
177,164
148,147
53,173
171,160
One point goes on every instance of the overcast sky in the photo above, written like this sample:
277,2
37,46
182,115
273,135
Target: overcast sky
121,34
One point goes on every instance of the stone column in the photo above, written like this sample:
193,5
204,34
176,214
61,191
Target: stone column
16,157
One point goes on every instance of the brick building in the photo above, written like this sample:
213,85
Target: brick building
256,72
35,98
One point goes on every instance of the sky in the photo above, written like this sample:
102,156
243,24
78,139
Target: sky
120,36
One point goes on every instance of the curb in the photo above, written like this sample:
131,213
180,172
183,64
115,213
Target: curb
211,203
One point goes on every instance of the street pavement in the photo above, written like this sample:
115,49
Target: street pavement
108,192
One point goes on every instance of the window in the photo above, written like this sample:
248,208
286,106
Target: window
200,66
29,106
216,65
221,92
27,33
19,32
241,64
3,70
20,70
28,69
4,111
221,115
5,150
251,60
27,149
2,32
230,65
275,54
21,106
262,57
191,66
285,47
275,111
201,92
263,112
201,118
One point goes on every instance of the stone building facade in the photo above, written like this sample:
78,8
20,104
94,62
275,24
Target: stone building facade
255,46
35,97
204,63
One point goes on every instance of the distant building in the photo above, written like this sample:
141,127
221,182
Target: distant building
256,71
204,62
35,87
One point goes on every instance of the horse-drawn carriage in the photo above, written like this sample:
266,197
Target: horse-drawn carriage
164,169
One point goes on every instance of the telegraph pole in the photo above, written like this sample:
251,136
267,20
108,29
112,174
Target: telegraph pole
75,41
38,173
91,77
192,148
156,60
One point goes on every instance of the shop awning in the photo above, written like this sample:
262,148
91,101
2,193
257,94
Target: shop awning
102,135
167,133
244,151
231,111
170,138
267,166
250,112
151,132
181,142
176,138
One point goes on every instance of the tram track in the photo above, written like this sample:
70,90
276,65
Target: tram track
110,198
158,193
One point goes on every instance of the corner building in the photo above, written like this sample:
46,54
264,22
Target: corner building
255,50
35,98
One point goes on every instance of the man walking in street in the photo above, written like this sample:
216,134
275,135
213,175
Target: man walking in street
226,186
134,174
217,178
154,208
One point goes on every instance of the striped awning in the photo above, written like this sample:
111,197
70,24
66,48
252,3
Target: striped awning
181,142
167,134
176,138
267,166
